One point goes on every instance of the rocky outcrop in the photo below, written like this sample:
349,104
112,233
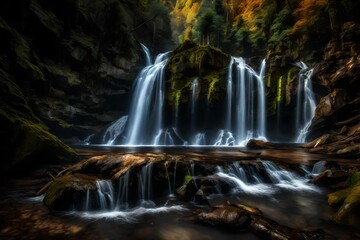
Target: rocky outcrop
69,189
206,65
241,217
335,126
347,201
76,60
66,68
25,142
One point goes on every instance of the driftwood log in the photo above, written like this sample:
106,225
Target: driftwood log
241,218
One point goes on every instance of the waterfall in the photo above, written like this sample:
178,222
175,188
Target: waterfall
248,96
123,192
305,103
105,193
193,106
147,54
145,185
146,111
199,139
114,130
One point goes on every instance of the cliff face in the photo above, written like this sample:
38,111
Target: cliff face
336,121
67,67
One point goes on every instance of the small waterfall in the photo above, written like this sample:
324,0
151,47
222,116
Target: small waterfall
224,138
305,103
123,192
193,105
114,130
252,180
105,193
145,185
147,54
146,111
199,139
249,95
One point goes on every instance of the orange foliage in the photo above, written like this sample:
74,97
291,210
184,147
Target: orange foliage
306,12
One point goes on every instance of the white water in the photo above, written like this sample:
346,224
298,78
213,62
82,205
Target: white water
115,130
145,185
130,215
248,179
146,111
193,103
123,191
245,109
147,54
242,101
199,139
305,104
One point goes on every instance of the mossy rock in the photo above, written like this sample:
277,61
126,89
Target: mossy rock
349,200
190,61
67,191
25,141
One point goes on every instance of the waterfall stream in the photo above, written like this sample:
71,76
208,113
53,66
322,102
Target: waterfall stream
244,109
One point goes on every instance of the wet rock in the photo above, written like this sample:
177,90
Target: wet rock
258,144
348,202
69,191
240,218
330,177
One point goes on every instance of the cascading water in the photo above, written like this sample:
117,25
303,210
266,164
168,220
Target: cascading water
251,180
245,109
146,111
147,54
305,104
193,103
115,130
249,95
145,185
123,191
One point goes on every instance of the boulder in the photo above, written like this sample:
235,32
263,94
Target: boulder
69,191
330,177
348,202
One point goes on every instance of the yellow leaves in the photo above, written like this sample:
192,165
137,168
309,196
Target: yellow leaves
306,13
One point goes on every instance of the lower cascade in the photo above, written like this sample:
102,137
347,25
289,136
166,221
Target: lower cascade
134,192
245,109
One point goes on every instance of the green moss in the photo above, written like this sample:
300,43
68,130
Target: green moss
349,200
279,90
21,128
353,180
60,193
212,83
338,198
268,81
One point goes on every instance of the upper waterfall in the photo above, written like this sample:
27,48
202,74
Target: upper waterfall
146,111
246,101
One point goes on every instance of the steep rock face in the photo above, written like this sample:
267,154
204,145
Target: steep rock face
337,112
25,142
66,68
76,60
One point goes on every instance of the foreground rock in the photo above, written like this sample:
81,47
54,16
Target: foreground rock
69,190
241,217
348,202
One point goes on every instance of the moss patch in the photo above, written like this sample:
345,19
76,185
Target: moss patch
191,61
349,201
